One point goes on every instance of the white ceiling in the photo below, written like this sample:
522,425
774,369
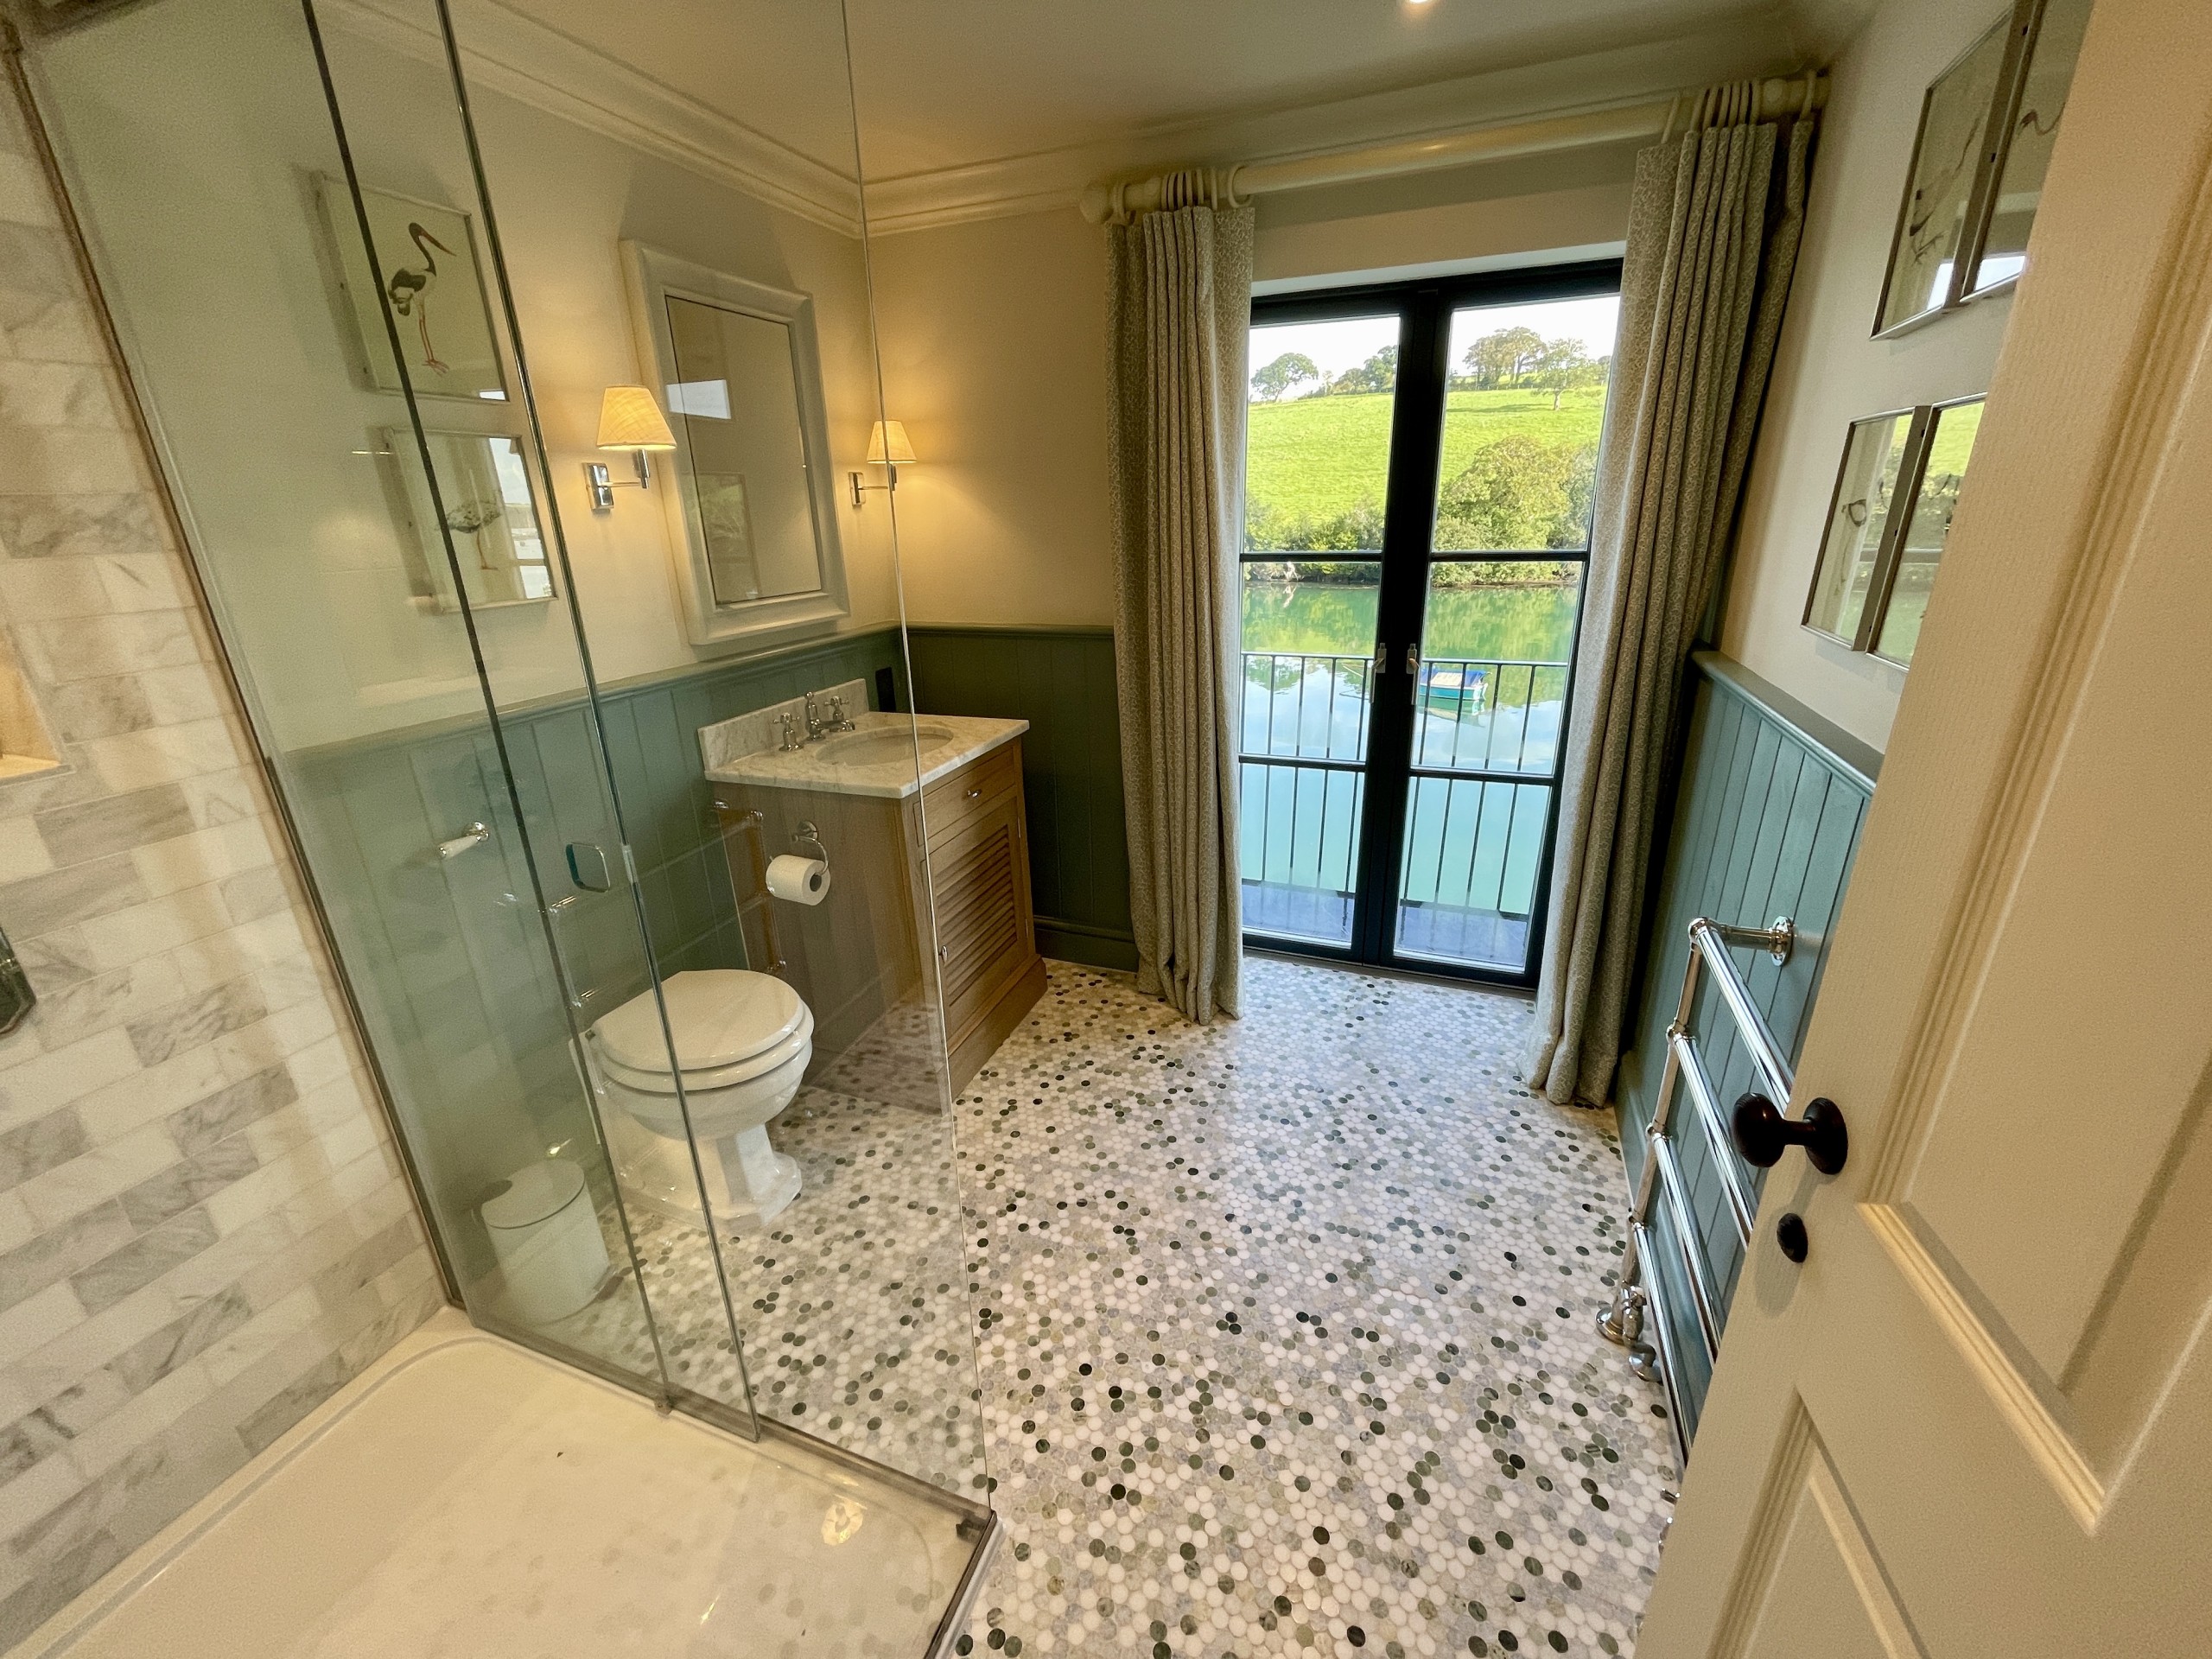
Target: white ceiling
949,84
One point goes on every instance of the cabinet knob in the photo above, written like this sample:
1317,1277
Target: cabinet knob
974,791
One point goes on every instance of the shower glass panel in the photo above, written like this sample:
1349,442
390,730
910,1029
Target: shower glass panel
543,731
290,234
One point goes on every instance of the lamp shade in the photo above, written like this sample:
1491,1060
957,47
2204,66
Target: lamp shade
630,419
887,445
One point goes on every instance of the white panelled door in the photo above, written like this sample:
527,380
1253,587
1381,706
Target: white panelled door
1978,1420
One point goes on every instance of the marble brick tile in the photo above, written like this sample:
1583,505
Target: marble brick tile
117,823
54,961
58,1252
37,260
54,394
95,647
41,1145
71,458
145,1361
196,1022
196,856
102,1173
150,1095
143,581
75,1011
59,327
49,526
164,752
21,850
98,707
24,200
37,1085
189,1180
36,590
142,1261
37,1320
117,936
40,904
216,1117
252,894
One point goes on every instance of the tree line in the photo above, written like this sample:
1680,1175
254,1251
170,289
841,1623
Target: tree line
1517,357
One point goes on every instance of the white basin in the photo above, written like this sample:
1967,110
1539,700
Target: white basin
887,743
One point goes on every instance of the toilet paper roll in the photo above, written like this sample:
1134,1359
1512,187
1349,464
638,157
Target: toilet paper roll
802,880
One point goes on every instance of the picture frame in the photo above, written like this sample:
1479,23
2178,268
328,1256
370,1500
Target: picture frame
1889,520
1988,123
2049,42
486,501
1944,184
433,277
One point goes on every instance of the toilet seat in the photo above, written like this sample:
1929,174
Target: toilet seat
660,1082
730,1025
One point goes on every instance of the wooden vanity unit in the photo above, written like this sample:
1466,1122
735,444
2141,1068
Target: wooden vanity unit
947,861
989,972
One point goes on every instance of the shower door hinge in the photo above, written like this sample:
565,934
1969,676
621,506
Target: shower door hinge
630,863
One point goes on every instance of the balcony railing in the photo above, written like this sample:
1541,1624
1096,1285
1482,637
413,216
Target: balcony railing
1485,755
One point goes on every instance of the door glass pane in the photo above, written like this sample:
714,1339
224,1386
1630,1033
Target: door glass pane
1318,462
1523,411
1523,405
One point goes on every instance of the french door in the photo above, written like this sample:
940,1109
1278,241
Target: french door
1419,464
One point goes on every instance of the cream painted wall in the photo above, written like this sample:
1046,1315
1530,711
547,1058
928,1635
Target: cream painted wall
1827,373
994,345
219,266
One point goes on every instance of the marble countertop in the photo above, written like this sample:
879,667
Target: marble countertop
876,758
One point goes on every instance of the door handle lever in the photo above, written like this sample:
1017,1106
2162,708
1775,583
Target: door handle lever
1762,1133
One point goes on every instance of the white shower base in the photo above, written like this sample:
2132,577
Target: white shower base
468,1498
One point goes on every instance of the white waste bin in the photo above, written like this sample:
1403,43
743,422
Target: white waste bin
546,1236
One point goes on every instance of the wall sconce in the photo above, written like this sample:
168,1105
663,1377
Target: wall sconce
628,419
887,448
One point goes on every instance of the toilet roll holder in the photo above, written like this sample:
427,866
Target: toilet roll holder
804,836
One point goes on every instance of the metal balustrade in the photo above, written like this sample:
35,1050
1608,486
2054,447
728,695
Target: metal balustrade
1486,757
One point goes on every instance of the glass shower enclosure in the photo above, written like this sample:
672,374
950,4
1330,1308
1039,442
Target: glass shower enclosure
496,618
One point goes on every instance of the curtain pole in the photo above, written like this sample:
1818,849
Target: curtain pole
1125,198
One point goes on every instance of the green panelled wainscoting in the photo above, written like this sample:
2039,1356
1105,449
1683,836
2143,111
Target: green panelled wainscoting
1768,807
1061,681
446,956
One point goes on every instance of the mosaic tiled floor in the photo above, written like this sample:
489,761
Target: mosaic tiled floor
1287,1337
852,1310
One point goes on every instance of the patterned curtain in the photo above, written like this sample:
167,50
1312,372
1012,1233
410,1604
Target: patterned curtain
1179,314
1712,237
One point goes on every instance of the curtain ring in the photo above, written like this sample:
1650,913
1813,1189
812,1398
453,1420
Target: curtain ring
1812,86
1674,108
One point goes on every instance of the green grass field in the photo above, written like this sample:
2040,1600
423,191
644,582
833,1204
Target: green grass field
1319,456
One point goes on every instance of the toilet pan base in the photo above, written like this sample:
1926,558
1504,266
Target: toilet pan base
655,1174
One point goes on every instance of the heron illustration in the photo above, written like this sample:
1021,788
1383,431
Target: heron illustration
409,290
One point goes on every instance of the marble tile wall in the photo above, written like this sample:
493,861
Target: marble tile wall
204,1228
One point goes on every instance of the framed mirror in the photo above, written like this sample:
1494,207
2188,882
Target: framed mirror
1940,473
753,521
1858,526
1888,521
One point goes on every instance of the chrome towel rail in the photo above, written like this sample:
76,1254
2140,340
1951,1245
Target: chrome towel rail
1638,1302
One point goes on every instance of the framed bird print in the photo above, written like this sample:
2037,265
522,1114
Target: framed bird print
427,277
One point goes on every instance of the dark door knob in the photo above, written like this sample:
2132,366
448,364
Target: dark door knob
1763,1134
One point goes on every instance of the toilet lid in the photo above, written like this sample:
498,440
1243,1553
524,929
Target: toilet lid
718,1017
661,1081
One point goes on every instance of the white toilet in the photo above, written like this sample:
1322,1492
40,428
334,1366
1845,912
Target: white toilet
742,1042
